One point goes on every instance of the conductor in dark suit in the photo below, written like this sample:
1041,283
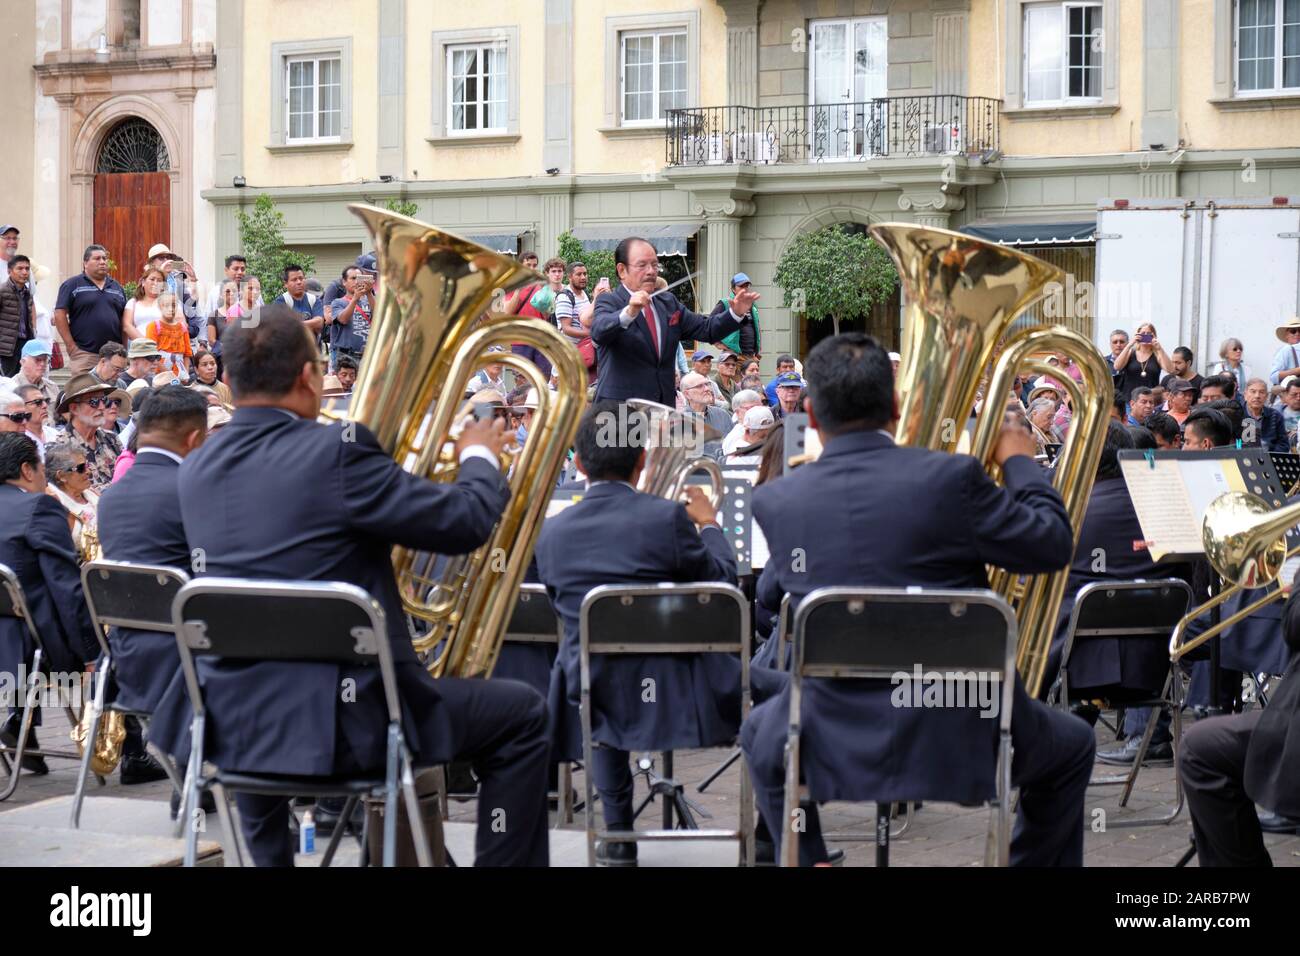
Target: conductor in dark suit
636,336
1229,764
617,535
290,498
140,522
931,520
36,545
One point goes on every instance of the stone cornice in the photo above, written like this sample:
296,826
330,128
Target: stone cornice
166,59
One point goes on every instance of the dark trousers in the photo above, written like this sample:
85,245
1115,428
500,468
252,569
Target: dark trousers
1051,764
9,364
1212,765
500,729
536,357
1135,724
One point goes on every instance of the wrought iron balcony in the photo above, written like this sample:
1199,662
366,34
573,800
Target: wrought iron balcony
941,125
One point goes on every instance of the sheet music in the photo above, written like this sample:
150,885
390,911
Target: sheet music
1169,521
1205,480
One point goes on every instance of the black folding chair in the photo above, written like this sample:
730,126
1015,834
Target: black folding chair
301,622
13,604
533,621
875,634
137,596
665,619
1130,611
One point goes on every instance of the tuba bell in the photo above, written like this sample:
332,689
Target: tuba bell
675,451
961,296
438,308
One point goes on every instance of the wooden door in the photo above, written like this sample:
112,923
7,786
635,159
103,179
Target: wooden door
132,212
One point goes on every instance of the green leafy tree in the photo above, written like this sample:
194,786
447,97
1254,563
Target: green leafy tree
403,207
835,274
261,234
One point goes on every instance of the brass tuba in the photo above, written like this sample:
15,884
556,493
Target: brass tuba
438,308
675,451
960,298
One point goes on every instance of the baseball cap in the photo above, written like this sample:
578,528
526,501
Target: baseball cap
367,262
741,279
1176,384
8,227
34,348
759,418
895,357
790,378
701,355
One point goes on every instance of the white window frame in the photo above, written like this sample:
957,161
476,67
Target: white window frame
316,59
282,54
1279,10
444,42
450,51
658,34
1064,99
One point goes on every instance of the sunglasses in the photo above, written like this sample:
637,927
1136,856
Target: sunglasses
79,469
19,418
104,402
38,402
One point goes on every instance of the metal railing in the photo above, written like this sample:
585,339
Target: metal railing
939,125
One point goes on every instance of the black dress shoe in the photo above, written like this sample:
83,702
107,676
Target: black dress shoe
330,809
765,855
32,763
206,802
615,854
1271,822
1086,710
141,768
1125,755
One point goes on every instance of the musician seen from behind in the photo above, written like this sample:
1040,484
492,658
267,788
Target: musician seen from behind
855,743
637,332
632,538
263,520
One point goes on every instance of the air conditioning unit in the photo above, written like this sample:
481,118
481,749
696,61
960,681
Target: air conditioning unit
721,149
943,138
754,148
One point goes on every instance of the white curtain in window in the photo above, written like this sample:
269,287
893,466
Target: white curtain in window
1043,53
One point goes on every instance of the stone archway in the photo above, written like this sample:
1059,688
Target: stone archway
883,322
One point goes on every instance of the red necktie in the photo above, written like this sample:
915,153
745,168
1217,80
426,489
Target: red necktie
648,313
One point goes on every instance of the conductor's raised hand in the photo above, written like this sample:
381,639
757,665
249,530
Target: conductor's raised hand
699,508
744,301
637,301
1016,438
489,432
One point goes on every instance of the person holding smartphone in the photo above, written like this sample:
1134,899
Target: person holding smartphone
1141,362
352,314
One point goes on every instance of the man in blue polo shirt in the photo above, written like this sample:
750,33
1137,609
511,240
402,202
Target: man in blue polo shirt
88,310
296,297
784,363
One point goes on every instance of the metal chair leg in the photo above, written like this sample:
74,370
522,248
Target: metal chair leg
415,818
339,829
882,834
88,751
229,818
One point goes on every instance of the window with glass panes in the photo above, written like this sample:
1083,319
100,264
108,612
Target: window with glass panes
477,93
654,75
313,98
1063,52
1268,45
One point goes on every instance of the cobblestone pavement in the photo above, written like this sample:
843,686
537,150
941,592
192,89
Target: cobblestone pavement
941,835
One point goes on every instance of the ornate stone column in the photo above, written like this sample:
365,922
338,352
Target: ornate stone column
931,208
722,215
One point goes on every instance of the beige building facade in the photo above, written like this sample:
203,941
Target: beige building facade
724,128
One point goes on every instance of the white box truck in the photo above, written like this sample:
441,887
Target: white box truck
1200,270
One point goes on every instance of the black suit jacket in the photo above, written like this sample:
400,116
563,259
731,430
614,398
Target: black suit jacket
1272,775
291,499
626,360
1106,552
140,522
869,513
36,545
615,535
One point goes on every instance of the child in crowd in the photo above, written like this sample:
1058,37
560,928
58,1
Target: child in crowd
172,336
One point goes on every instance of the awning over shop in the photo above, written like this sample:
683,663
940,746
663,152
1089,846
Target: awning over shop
496,241
1033,233
668,238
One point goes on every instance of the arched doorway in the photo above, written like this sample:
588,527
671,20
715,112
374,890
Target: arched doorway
132,195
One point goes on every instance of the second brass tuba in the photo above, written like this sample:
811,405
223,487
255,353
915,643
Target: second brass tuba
438,308
960,297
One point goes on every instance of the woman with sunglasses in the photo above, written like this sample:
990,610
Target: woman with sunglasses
1230,362
68,478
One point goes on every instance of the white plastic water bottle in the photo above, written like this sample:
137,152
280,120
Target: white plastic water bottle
307,834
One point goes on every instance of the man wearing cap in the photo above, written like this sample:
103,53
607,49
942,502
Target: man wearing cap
84,403
88,310
757,424
788,387
1179,395
637,329
33,369
142,359
784,363
745,340
726,379
1286,360
702,364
